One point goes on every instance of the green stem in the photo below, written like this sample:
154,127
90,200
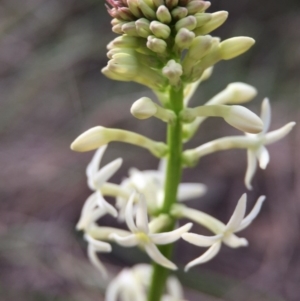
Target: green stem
173,176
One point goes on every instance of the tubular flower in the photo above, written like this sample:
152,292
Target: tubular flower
141,236
223,233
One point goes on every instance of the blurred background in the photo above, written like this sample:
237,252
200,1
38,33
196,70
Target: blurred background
51,53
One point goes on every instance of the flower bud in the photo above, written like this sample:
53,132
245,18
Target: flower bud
134,8
172,71
143,108
184,38
189,22
200,47
124,42
158,3
202,19
217,19
163,14
233,47
148,12
160,30
156,45
98,136
196,6
244,120
171,3
240,92
179,13
143,27
129,28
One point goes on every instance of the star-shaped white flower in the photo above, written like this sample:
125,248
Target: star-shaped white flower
259,152
141,236
150,183
96,206
224,233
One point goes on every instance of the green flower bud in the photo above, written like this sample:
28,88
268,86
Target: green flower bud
184,38
158,3
196,6
179,13
189,22
110,54
134,8
130,29
171,3
160,30
143,27
163,14
217,19
156,45
202,19
148,12
200,47
124,42
123,63
118,28
233,47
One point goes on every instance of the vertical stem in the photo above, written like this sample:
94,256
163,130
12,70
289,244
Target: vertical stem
172,180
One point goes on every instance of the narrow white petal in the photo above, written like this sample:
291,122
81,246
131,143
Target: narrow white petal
208,255
112,291
142,215
102,203
263,157
90,218
169,237
95,260
234,241
98,245
187,191
127,241
201,240
238,214
129,218
266,114
251,168
106,172
276,135
252,215
174,288
156,256
93,166
88,207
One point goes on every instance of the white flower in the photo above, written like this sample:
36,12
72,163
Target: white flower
127,287
150,183
96,206
141,236
224,233
259,152
95,246
133,285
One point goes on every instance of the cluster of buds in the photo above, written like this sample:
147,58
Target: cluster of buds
154,34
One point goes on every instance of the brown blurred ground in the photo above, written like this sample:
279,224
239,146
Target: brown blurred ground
51,90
